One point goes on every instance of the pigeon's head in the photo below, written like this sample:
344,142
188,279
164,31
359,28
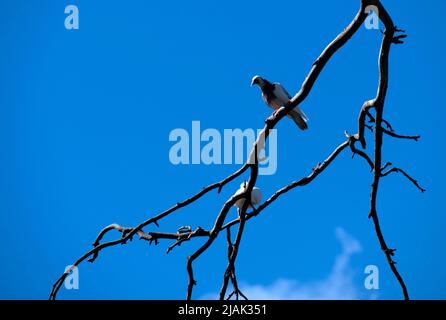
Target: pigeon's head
257,80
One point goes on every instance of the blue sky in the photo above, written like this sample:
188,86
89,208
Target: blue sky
85,117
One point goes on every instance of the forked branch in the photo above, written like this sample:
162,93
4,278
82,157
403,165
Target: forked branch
391,35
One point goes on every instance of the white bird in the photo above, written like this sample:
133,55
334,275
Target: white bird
256,196
275,96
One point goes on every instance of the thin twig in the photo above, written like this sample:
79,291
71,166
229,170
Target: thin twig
375,164
396,170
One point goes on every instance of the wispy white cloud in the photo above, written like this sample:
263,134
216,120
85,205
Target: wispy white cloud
338,285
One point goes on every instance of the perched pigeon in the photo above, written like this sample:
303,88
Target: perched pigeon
256,196
275,96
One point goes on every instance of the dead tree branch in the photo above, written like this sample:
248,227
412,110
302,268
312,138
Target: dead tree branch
391,35
398,170
389,131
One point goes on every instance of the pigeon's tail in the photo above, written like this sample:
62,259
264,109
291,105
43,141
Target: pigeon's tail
299,118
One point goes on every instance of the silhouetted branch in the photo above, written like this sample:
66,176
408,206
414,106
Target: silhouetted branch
130,232
399,136
218,226
352,141
396,170
230,272
388,39
389,131
361,122
185,234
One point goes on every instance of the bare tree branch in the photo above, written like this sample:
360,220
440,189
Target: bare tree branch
230,271
390,36
389,131
396,170
388,39
399,136
130,233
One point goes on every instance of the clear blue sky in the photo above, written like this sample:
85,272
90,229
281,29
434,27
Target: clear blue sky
85,117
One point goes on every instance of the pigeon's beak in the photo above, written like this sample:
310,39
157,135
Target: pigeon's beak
252,83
